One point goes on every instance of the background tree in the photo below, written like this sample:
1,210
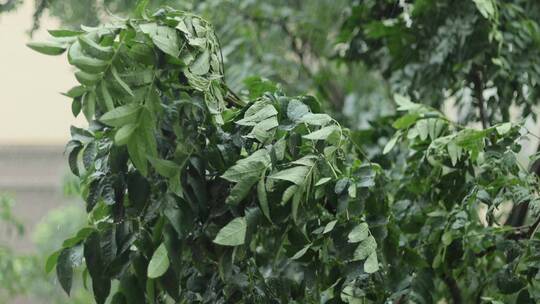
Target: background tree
482,54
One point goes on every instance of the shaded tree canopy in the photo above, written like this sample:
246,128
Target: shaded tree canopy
483,53
202,188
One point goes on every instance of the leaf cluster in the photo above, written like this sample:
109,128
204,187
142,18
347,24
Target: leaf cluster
191,194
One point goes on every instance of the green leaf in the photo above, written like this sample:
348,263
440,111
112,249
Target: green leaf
89,105
352,295
95,50
147,134
371,265
76,91
503,128
107,98
233,234
469,138
262,114
84,62
447,238
73,159
329,227
138,190
137,152
249,166
322,134
87,79
242,188
359,233
257,86
295,175
52,261
524,297
263,198
76,106
140,9
118,298
124,133
423,129
64,270
508,283
64,33
366,175
288,194
301,252
81,235
47,48
201,65
454,151
159,263
405,104
164,167
485,7
121,116
296,110
392,142
297,199
164,37
406,121
316,119
261,131
323,181
121,82
365,248
308,160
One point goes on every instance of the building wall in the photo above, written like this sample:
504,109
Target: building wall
32,176
32,111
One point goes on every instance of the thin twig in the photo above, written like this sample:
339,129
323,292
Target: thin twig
478,92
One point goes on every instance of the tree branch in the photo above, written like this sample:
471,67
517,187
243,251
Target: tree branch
477,79
41,5
453,287
518,214
519,233
300,47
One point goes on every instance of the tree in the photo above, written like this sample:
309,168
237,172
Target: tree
196,193
436,49
483,54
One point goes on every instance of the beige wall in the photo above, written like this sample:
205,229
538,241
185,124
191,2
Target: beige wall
31,109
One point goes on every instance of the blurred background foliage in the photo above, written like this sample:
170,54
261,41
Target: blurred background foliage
23,275
479,56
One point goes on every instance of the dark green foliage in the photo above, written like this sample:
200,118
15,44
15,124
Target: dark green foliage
198,195
433,49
